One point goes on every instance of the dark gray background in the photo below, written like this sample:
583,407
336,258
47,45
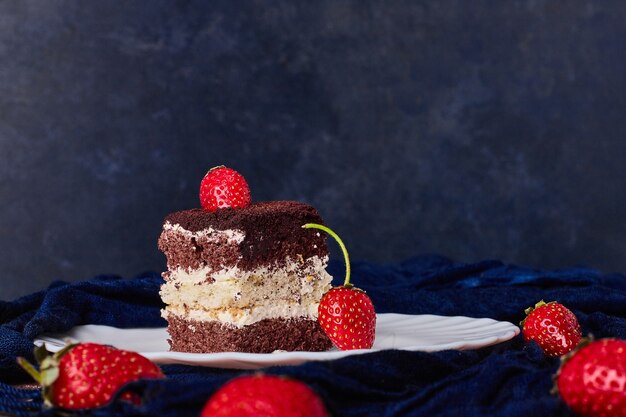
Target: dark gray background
467,128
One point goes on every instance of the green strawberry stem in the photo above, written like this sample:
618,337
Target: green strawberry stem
30,369
346,282
48,371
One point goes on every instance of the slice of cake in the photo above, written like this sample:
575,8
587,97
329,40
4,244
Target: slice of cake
244,279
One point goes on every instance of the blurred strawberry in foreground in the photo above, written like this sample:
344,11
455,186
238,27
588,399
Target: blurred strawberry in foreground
592,379
224,187
87,375
346,313
554,327
264,396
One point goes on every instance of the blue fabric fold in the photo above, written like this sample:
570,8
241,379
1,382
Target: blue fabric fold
510,379
106,300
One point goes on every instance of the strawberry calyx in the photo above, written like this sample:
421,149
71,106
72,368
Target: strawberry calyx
351,287
214,168
529,310
48,371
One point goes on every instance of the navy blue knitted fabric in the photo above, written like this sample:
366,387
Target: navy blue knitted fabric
509,379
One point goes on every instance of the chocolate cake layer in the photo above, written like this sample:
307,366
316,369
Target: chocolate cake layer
265,336
185,251
272,233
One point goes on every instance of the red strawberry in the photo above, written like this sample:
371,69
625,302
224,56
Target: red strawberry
264,395
346,314
87,375
592,380
554,327
223,187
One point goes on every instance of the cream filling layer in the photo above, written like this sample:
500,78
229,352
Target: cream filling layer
314,266
240,317
241,297
238,295
296,280
257,287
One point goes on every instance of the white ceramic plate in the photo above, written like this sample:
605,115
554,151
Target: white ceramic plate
427,333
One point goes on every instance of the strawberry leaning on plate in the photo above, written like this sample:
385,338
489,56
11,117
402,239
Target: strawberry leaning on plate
553,326
592,379
264,395
346,313
88,375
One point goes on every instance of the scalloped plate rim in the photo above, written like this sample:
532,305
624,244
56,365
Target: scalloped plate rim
479,332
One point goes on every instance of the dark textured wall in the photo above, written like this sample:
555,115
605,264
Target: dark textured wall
471,129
